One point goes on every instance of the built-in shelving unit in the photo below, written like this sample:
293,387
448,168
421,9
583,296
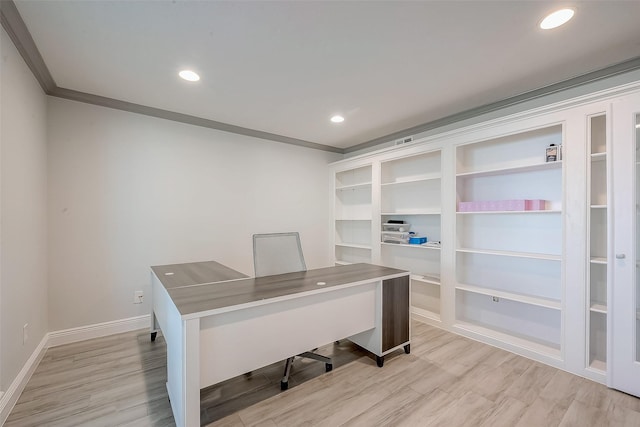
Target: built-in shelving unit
410,191
353,215
509,262
523,211
598,246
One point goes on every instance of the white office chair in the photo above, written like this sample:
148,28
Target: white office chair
279,253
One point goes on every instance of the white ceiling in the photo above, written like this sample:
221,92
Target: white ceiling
285,67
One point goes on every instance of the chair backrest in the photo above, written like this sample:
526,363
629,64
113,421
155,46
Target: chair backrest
277,253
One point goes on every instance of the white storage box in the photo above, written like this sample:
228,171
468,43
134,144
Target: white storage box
396,227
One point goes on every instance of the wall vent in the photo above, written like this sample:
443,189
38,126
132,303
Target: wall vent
405,140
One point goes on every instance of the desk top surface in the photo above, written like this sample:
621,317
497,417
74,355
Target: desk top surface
193,299
194,273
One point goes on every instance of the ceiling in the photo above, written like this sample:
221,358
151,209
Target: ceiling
286,67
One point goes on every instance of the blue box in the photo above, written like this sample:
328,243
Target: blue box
417,240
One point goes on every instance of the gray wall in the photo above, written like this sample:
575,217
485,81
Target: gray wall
128,191
23,213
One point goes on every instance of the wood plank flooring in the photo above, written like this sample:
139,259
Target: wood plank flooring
447,380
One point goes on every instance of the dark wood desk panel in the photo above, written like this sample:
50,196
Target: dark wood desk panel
395,312
194,273
195,299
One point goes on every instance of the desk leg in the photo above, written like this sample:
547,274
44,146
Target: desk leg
154,299
191,373
152,327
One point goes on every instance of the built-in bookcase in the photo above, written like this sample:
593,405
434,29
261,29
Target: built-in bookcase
598,236
538,255
353,215
509,262
410,191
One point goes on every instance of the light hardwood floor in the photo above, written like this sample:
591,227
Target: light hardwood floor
447,380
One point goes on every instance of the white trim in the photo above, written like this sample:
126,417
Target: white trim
460,128
68,336
10,397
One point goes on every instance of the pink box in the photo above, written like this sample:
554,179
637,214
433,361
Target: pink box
502,205
514,205
535,205
465,206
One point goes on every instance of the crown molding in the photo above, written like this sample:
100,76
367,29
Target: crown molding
16,28
21,37
581,80
131,107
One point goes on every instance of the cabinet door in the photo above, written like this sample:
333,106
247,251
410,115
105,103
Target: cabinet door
624,315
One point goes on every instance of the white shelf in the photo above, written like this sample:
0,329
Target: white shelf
538,347
548,257
510,170
354,245
423,246
598,308
431,280
425,313
547,211
417,212
527,299
597,220
354,186
598,365
400,181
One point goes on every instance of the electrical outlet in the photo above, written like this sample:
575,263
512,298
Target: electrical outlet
138,297
25,333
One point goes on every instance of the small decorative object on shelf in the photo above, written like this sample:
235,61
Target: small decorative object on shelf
553,153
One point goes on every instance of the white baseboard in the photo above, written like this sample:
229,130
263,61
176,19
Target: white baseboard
10,397
68,336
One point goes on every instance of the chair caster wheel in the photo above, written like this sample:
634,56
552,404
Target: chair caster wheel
284,385
380,361
328,367
153,336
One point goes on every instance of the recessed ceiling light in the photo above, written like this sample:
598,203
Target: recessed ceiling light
189,75
337,119
557,18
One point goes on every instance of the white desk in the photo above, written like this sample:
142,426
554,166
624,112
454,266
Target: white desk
218,323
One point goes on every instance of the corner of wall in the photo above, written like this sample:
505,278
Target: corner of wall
9,398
